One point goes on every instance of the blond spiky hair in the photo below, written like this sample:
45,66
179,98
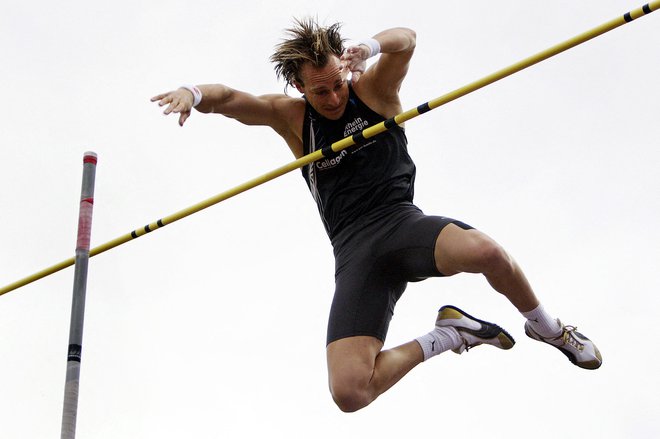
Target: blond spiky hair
307,42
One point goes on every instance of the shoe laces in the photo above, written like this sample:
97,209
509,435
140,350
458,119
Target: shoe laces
569,338
465,346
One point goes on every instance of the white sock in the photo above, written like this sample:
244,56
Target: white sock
438,341
542,322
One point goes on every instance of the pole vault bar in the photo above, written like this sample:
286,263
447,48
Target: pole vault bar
352,140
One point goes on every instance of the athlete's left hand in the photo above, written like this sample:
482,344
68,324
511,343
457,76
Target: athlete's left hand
354,59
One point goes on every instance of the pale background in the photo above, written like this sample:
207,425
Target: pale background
215,326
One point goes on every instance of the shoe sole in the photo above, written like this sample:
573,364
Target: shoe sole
489,330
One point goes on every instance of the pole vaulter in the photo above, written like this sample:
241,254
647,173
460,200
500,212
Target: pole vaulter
340,145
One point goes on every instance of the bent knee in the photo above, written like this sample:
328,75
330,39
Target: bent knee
349,398
491,253
351,363
459,251
491,257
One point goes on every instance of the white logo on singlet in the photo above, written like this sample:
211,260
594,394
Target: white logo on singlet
358,124
331,163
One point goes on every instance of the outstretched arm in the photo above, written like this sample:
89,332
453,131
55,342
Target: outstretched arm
278,111
218,98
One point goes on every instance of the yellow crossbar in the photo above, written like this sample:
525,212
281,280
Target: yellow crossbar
351,140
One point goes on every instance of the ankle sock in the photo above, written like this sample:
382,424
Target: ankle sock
438,341
542,322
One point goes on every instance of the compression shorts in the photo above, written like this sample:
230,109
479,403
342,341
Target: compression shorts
374,261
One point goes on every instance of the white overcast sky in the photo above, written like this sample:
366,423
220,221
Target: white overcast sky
215,325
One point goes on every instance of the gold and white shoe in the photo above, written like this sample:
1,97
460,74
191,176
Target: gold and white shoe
579,349
473,331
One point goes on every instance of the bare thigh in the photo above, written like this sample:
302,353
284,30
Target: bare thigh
465,251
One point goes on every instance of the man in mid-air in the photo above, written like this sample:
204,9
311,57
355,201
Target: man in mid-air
381,240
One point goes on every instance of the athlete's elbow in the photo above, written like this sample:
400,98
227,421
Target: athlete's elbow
411,36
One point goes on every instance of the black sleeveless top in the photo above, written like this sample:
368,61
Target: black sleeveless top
360,179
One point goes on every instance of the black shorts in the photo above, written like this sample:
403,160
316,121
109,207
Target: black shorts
374,261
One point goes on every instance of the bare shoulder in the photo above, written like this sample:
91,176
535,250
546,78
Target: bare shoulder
286,105
384,102
290,113
281,112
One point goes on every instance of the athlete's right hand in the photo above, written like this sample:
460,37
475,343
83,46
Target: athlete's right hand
177,101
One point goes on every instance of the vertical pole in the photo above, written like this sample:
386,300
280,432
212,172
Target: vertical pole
72,383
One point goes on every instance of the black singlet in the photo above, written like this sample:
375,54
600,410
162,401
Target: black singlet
380,239
361,178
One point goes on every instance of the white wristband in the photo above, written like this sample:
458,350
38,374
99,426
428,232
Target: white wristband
197,93
373,45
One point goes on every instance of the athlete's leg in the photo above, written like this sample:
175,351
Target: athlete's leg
458,250
358,371
470,251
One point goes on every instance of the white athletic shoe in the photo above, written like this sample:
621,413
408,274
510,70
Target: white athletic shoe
579,349
472,330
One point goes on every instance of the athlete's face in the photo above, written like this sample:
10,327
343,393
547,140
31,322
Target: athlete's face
325,87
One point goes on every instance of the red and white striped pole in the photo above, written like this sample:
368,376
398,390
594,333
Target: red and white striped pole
72,384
